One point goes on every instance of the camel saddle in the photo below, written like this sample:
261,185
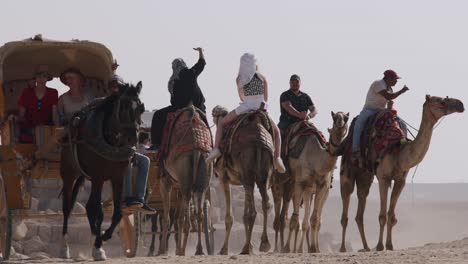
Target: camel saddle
382,135
253,127
296,136
87,127
185,130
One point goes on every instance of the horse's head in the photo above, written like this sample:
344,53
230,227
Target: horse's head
126,114
339,128
439,107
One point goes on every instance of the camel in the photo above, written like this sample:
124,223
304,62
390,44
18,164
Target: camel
248,164
185,169
392,167
312,173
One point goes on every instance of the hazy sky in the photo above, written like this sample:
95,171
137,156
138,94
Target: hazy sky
337,47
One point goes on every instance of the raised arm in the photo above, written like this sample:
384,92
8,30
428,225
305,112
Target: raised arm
391,96
200,65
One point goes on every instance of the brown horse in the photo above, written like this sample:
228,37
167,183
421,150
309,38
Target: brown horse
99,146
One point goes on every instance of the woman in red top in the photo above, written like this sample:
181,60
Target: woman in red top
35,106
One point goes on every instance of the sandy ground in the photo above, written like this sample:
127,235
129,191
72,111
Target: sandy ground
451,252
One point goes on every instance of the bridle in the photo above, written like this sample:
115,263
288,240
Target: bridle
437,105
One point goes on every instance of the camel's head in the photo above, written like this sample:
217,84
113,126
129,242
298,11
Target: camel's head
340,126
439,107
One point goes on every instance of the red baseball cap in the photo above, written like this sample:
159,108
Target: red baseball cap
391,74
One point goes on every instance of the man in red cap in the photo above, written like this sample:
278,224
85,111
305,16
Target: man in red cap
379,96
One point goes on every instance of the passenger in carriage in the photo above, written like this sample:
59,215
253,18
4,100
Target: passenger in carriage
253,92
184,89
74,99
35,105
379,96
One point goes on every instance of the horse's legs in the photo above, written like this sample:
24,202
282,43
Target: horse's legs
166,200
228,220
95,218
117,212
265,244
68,199
199,198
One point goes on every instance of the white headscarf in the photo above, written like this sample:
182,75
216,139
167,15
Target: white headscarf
177,65
247,69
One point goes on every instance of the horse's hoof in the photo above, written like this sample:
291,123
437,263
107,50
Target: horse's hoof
99,254
265,246
65,252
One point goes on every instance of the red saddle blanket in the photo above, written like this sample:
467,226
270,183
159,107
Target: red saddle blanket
382,135
185,130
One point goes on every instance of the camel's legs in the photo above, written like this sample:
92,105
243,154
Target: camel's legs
186,223
287,196
199,198
346,187
277,192
305,221
228,219
320,198
397,188
249,218
265,244
297,197
362,193
383,189
165,190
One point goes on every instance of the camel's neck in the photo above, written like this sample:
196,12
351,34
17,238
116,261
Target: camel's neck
414,152
328,160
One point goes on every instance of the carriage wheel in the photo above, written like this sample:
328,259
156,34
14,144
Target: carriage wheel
207,228
5,224
130,227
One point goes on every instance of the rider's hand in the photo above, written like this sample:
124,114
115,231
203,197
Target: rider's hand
390,105
199,49
303,115
404,89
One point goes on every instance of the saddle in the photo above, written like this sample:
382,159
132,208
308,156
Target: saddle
296,136
87,127
250,128
185,130
382,135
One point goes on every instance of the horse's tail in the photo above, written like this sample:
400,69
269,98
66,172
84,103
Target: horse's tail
76,188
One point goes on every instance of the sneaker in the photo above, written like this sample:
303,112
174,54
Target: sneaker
133,203
215,153
147,210
279,166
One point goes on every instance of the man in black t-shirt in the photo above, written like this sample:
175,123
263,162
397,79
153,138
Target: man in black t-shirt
295,105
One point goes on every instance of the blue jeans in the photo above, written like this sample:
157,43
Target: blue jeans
142,163
359,127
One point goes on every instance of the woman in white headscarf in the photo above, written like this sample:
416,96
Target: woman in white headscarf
253,91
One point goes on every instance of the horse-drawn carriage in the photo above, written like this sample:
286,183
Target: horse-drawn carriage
18,63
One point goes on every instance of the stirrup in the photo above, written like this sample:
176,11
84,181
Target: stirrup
215,153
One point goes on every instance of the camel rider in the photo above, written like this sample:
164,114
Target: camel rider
379,96
184,90
295,105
